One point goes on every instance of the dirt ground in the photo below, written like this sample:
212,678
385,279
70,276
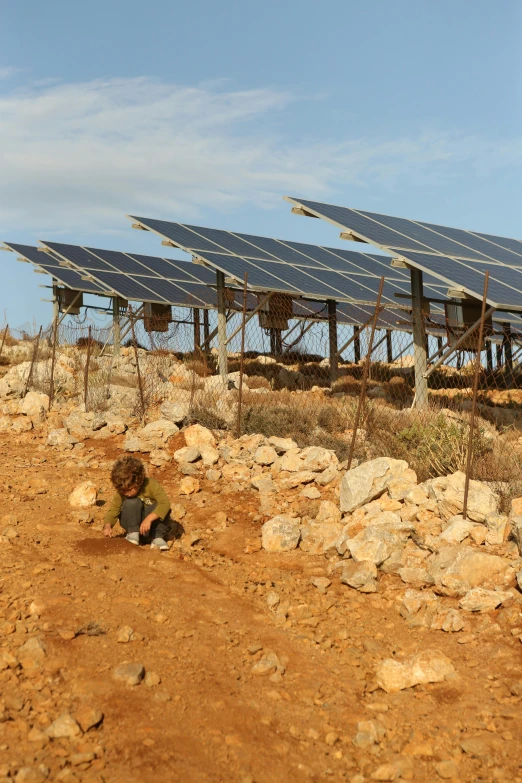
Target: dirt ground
201,621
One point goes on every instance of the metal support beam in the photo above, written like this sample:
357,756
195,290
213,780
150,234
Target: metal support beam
206,327
508,351
419,341
389,346
355,338
489,356
116,326
222,327
276,342
357,344
248,318
197,330
56,303
307,328
452,348
383,338
332,338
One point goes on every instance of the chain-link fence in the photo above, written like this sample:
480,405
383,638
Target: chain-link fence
347,377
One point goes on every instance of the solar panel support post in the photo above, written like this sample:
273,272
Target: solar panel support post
420,353
480,344
222,327
116,325
332,339
453,348
276,342
206,327
364,380
489,356
197,330
357,344
86,375
389,346
56,303
242,356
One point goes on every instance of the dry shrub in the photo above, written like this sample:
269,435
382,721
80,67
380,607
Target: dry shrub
129,381
346,385
398,389
257,382
199,366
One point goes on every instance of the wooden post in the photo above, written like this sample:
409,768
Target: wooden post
474,399
419,340
206,328
53,362
242,356
33,359
135,344
116,325
364,380
389,346
222,328
489,356
4,338
197,330
86,373
332,338
356,344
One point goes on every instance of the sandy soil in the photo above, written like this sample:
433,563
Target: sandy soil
201,619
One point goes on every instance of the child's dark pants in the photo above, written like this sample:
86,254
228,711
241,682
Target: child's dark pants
134,511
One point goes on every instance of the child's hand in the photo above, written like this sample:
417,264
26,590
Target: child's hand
107,531
145,525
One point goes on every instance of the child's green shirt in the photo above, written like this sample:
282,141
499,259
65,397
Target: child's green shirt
151,492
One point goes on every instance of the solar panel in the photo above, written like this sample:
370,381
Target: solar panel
120,262
67,277
78,256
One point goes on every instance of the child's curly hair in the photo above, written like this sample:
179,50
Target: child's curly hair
127,472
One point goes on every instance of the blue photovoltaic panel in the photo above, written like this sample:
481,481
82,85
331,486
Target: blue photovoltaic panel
178,234
127,288
471,277
78,256
257,278
166,291
476,247
120,262
515,245
68,277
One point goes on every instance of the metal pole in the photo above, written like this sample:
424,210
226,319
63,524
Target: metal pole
197,330
452,348
6,331
222,327
206,327
116,325
242,357
53,361
332,339
474,400
508,352
364,380
56,304
357,344
135,344
489,356
389,346
419,340
86,374
33,358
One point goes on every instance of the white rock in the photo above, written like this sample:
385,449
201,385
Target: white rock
457,530
482,501
173,412
291,461
188,485
498,528
318,459
311,493
280,534
424,667
481,600
159,457
84,495
63,726
328,512
35,405
282,445
361,576
209,454
158,432
61,439
465,564
196,435
368,481
187,454
265,455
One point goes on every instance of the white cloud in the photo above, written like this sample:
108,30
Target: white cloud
77,156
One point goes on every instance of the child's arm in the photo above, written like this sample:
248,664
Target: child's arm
162,506
112,515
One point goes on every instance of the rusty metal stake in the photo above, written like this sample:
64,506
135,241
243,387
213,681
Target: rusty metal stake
242,356
33,359
474,400
135,344
53,361
86,374
364,380
6,331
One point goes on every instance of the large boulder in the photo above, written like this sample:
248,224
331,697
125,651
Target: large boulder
482,501
424,667
174,412
61,439
196,435
35,405
280,534
84,495
368,481
468,565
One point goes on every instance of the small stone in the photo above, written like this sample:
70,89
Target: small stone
424,667
385,772
280,534
161,618
447,769
311,493
481,600
84,495
266,665
265,455
129,673
29,775
321,582
63,726
188,485
125,634
361,576
35,735
331,738
152,679
88,717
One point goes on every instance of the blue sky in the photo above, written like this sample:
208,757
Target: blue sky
209,113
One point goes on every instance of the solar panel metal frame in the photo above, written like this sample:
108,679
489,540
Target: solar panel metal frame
409,255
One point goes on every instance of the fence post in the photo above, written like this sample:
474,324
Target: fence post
242,356
35,352
6,330
474,399
53,360
364,380
86,374
135,344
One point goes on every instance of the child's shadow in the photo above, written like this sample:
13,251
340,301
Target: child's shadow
176,531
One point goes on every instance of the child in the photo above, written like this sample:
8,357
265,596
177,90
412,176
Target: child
140,504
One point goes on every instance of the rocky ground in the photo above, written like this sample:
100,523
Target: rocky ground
307,623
